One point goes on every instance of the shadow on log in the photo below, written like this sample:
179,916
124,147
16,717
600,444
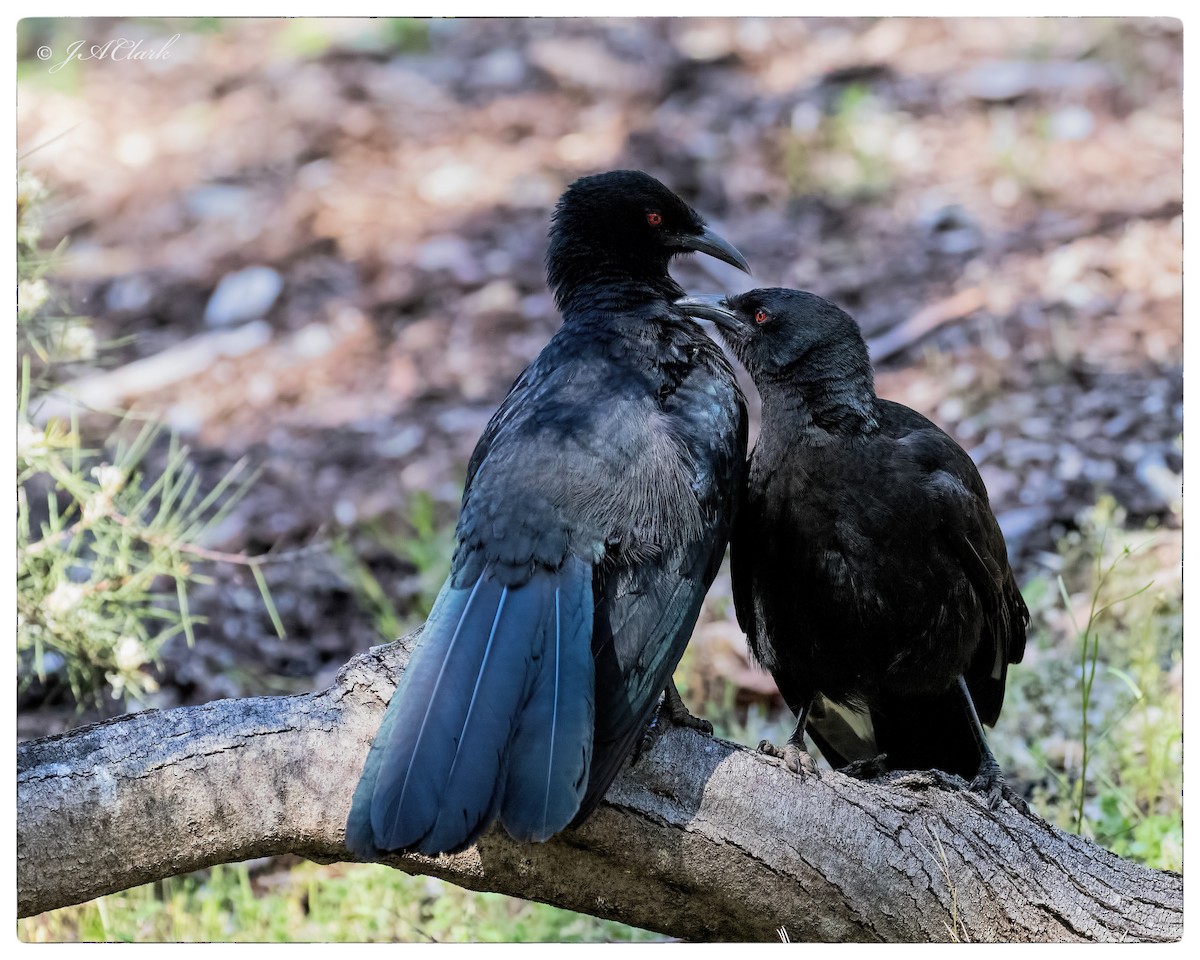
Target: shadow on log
701,839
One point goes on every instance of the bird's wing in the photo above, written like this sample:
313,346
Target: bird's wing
745,537
493,715
516,397
646,608
962,519
644,619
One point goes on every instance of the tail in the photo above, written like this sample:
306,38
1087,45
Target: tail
552,749
843,733
493,716
917,732
935,732
926,732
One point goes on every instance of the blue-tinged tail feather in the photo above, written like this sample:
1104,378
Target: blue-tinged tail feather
438,770
389,762
552,749
439,758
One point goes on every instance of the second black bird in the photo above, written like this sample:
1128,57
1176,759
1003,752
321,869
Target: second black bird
869,572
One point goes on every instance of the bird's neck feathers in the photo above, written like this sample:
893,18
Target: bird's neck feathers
830,388
586,278
604,297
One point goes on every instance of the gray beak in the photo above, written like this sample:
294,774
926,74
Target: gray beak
715,246
710,307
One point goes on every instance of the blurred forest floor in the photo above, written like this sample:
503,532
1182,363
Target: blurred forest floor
355,213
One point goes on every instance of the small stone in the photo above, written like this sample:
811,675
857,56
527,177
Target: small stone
402,443
498,296
345,512
1100,472
1072,123
217,201
498,263
501,68
245,295
1070,463
706,39
1157,477
313,341
998,81
952,230
449,185
452,254
584,63
1020,522
128,295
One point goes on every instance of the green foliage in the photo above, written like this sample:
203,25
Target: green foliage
1089,636
844,152
427,546
88,573
308,903
408,34
45,336
310,37
1098,701
104,553
423,541
369,592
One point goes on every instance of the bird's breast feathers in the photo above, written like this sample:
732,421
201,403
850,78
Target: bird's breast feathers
629,475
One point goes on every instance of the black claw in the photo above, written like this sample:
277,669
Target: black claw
652,732
794,758
692,722
1016,801
991,784
676,711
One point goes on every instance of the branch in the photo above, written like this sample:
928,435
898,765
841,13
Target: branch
701,839
903,335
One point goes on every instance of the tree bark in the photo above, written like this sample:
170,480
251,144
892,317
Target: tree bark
700,839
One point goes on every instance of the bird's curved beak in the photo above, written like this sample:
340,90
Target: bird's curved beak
710,307
714,245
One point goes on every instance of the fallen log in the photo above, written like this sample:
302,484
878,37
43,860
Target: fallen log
700,839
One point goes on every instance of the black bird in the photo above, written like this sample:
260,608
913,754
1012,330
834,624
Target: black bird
869,572
597,509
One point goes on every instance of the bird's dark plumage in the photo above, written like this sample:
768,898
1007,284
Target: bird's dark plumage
597,508
869,572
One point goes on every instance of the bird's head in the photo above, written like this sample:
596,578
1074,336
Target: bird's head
780,334
626,226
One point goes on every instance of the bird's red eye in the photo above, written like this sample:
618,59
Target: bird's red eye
760,315
654,218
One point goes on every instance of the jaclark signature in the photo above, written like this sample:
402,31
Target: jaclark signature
119,48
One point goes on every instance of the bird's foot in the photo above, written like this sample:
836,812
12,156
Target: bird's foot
670,711
991,784
866,769
794,758
681,716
